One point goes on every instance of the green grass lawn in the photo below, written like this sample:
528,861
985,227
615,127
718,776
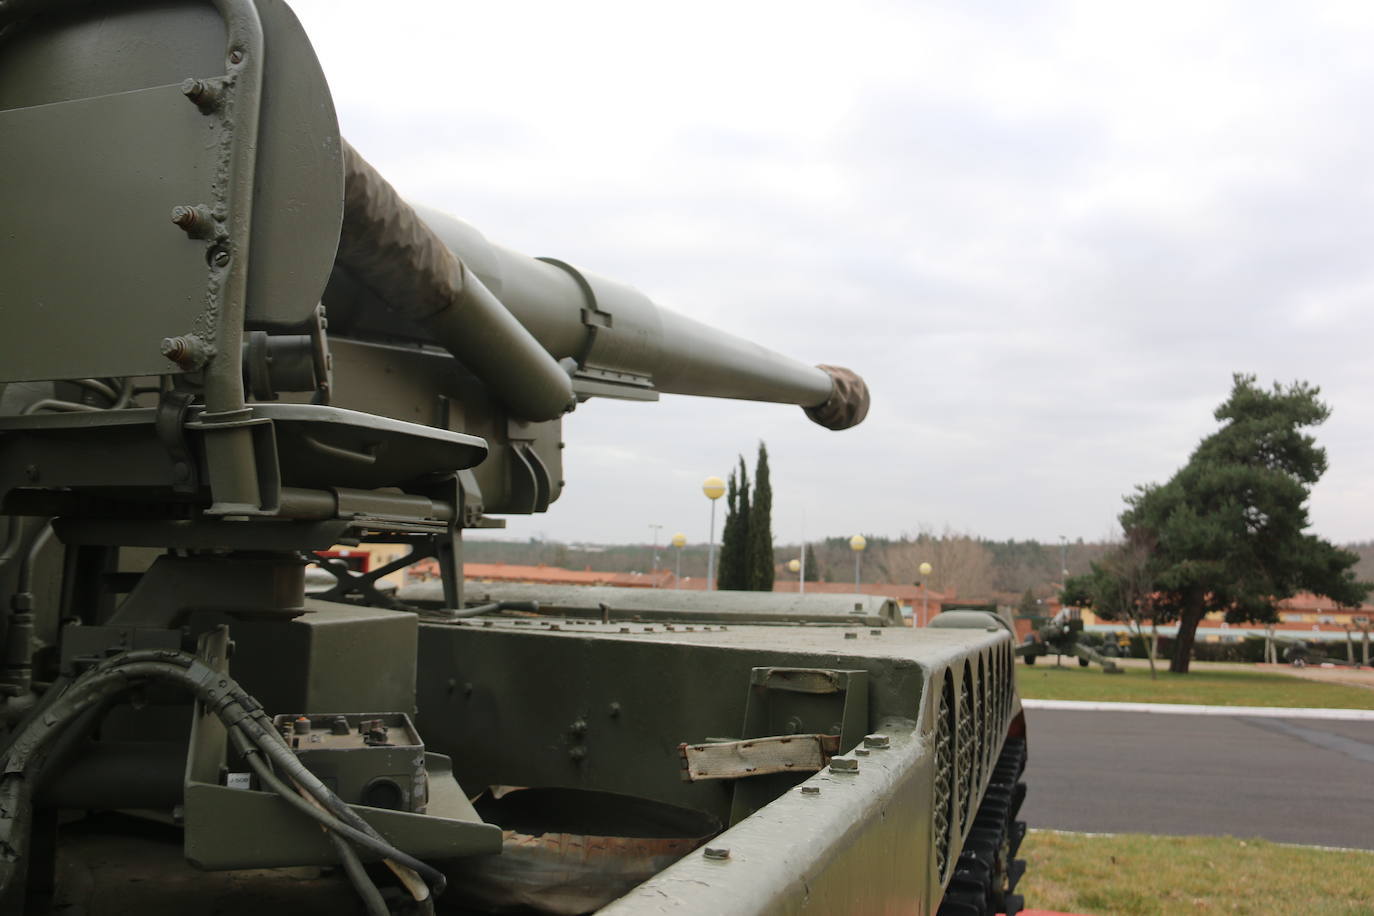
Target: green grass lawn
1135,875
1216,686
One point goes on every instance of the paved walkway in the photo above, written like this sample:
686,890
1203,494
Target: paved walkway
1284,777
1354,677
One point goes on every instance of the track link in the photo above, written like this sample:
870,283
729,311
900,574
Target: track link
987,870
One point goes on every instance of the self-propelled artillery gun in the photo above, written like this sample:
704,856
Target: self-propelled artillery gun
227,343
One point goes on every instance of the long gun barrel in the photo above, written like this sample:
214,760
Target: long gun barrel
540,331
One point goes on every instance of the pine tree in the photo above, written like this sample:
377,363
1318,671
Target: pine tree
1228,531
813,569
760,539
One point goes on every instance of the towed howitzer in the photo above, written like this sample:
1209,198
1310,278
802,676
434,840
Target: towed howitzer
228,345
1060,637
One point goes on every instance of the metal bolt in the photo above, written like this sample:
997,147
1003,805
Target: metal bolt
716,852
554,626
203,93
218,256
847,765
875,632
878,741
851,635
186,351
488,623
670,628
579,727
860,752
236,56
624,629
185,217
578,753
811,790
614,709
175,348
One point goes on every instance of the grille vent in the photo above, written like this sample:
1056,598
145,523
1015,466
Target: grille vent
944,779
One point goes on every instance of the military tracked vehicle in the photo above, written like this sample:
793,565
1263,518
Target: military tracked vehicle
229,344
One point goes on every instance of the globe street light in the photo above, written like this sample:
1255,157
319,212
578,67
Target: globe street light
714,488
795,566
857,544
925,592
679,541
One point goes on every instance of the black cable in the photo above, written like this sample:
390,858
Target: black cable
378,847
219,693
357,875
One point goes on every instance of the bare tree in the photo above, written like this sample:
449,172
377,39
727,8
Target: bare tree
1123,587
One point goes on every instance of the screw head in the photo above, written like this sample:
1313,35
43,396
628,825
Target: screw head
716,852
236,56
219,256
811,790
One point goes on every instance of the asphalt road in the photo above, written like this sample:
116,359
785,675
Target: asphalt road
1306,781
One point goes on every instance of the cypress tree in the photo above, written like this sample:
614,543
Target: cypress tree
732,570
760,539
725,559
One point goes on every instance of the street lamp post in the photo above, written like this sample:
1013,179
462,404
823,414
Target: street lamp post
679,541
653,564
925,593
714,488
857,544
1064,557
795,566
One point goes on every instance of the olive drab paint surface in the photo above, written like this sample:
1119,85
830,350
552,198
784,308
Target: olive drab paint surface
229,344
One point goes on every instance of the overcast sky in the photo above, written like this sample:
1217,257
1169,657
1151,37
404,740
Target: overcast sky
1046,234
